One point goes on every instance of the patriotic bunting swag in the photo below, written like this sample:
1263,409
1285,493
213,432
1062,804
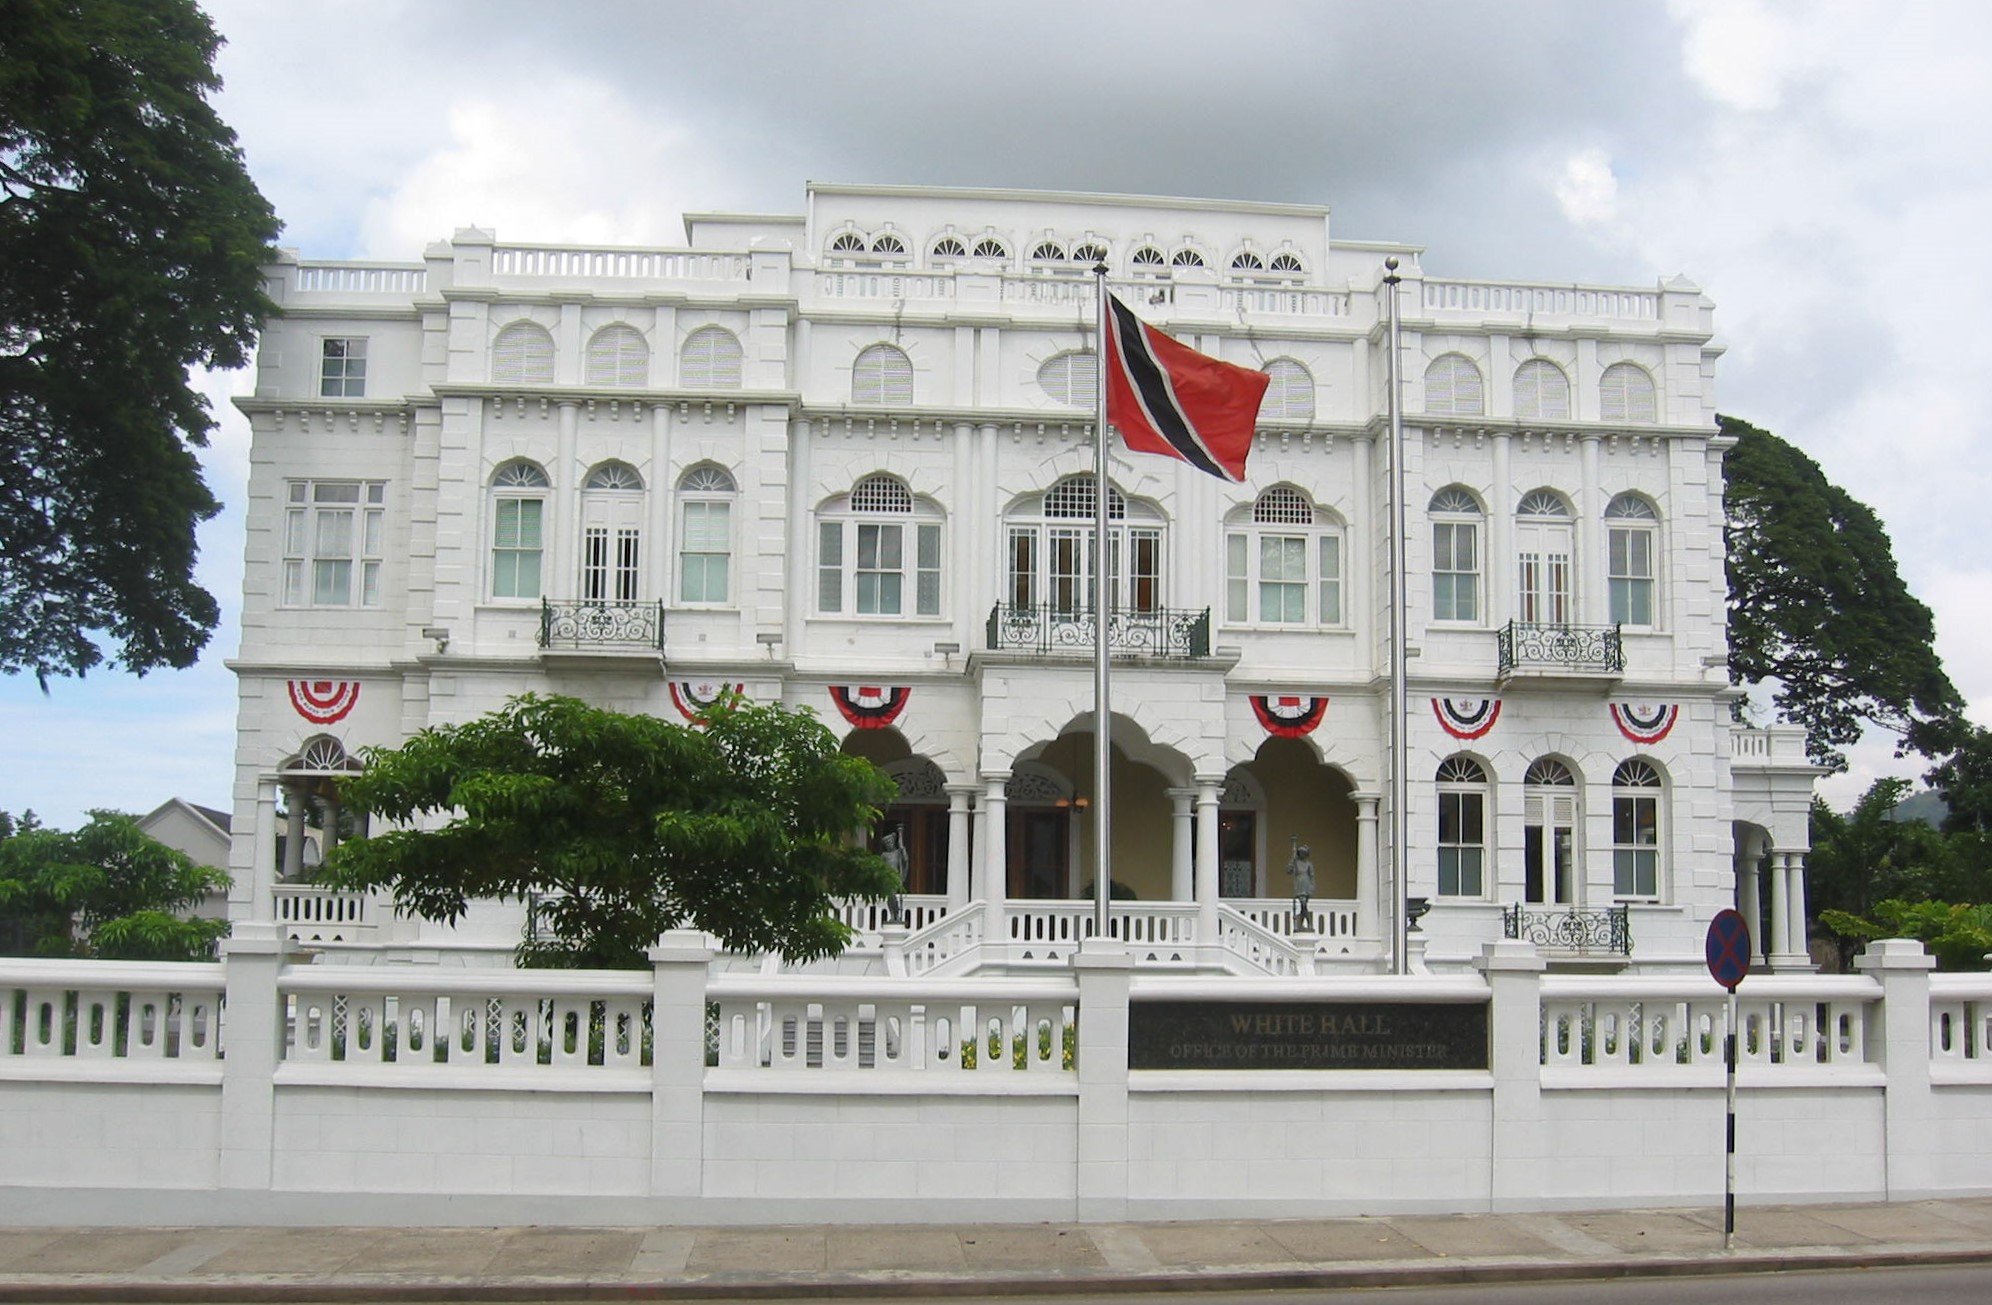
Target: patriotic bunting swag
1466,718
1645,723
324,702
691,697
1165,397
868,707
1288,716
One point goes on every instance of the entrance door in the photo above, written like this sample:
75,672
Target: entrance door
923,833
1237,854
1037,847
1549,848
611,539
1543,585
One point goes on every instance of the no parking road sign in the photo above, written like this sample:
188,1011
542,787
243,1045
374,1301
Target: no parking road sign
1728,948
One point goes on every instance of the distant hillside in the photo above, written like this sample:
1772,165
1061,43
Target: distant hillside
1927,806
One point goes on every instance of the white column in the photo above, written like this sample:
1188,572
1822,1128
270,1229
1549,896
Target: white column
293,834
1367,916
958,838
263,866
561,579
1749,899
1780,910
1206,867
1798,937
1181,851
1592,608
995,857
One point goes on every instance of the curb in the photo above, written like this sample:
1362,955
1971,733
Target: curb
901,1284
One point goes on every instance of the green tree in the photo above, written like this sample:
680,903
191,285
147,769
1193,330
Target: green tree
1958,934
1816,605
1965,781
106,890
1867,856
131,248
630,826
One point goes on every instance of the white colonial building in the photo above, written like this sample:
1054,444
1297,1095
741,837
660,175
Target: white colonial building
842,460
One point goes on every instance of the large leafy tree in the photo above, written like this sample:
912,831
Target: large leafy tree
1816,606
106,890
628,825
131,242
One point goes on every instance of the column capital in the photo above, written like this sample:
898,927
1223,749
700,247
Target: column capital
962,791
994,777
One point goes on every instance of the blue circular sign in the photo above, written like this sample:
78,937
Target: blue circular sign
1728,948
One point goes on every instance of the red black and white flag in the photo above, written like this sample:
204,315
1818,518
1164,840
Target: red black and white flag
1165,397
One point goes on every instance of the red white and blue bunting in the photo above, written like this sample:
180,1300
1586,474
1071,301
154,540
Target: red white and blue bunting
869,707
1288,716
324,702
1645,723
1466,718
691,697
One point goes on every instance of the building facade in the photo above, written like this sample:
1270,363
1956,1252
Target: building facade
843,460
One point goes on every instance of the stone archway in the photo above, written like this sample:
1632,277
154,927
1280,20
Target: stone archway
1284,795
1142,849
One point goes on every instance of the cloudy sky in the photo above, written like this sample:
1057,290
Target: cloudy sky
1814,165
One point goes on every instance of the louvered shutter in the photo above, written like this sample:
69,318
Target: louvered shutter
618,356
522,355
1542,392
1291,395
882,377
1626,394
711,360
1452,387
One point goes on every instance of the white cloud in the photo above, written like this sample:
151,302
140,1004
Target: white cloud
1587,191
1740,52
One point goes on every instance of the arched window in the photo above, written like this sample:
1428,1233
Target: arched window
889,245
1071,378
1089,253
989,247
1462,795
518,529
1453,388
1247,261
1149,261
1545,580
1549,834
1636,801
873,546
1632,530
1625,393
1287,263
612,514
1047,543
618,356
882,377
522,355
1048,251
1290,397
1283,562
705,534
948,249
847,243
1186,258
710,360
1542,392
322,754
1456,518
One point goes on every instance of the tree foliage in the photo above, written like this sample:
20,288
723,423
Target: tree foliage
1958,934
1965,780
106,890
630,825
131,247
1816,605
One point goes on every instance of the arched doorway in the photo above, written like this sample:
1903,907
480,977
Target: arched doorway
1050,840
1286,797
917,818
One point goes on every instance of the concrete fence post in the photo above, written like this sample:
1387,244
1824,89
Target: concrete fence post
252,1042
678,1062
1104,970
1519,1142
1902,1045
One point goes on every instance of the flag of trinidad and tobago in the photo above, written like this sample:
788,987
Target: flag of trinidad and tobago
1165,397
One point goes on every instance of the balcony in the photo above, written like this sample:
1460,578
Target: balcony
597,626
1568,933
1044,630
1543,652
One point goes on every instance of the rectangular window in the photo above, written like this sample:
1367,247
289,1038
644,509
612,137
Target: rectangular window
706,535
342,367
1455,571
1462,843
516,548
880,570
872,566
1331,580
1144,593
1236,582
830,566
927,575
1636,850
1630,572
1282,578
1068,580
333,543
1023,568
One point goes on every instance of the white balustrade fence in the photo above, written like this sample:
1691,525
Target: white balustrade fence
1656,1025
868,917
572,262
109,1011
1961,1026
361,278
1326,916
1540,300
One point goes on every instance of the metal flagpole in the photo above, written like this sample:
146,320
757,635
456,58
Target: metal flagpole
1102,710
1400,824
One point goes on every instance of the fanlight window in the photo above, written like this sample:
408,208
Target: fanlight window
888,244
1631,507
949,247
1542,391
1187,258
710,360
1543,503
1073,497
617,355
614,475
1455,501
1248,262
1547,772
1626,394
707,480
522,355
990,247
1283,505
881,493
1290,397
1286,263
1453,387
1461,770
1071,378
882,377
519,475
1149,257
850,242
322,753
1089,253
1047,253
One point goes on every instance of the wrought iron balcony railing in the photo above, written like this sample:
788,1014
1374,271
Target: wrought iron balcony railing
595,625
1526,646
1159,632
1588,933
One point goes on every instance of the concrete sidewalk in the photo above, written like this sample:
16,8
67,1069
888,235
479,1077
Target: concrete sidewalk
406,1264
